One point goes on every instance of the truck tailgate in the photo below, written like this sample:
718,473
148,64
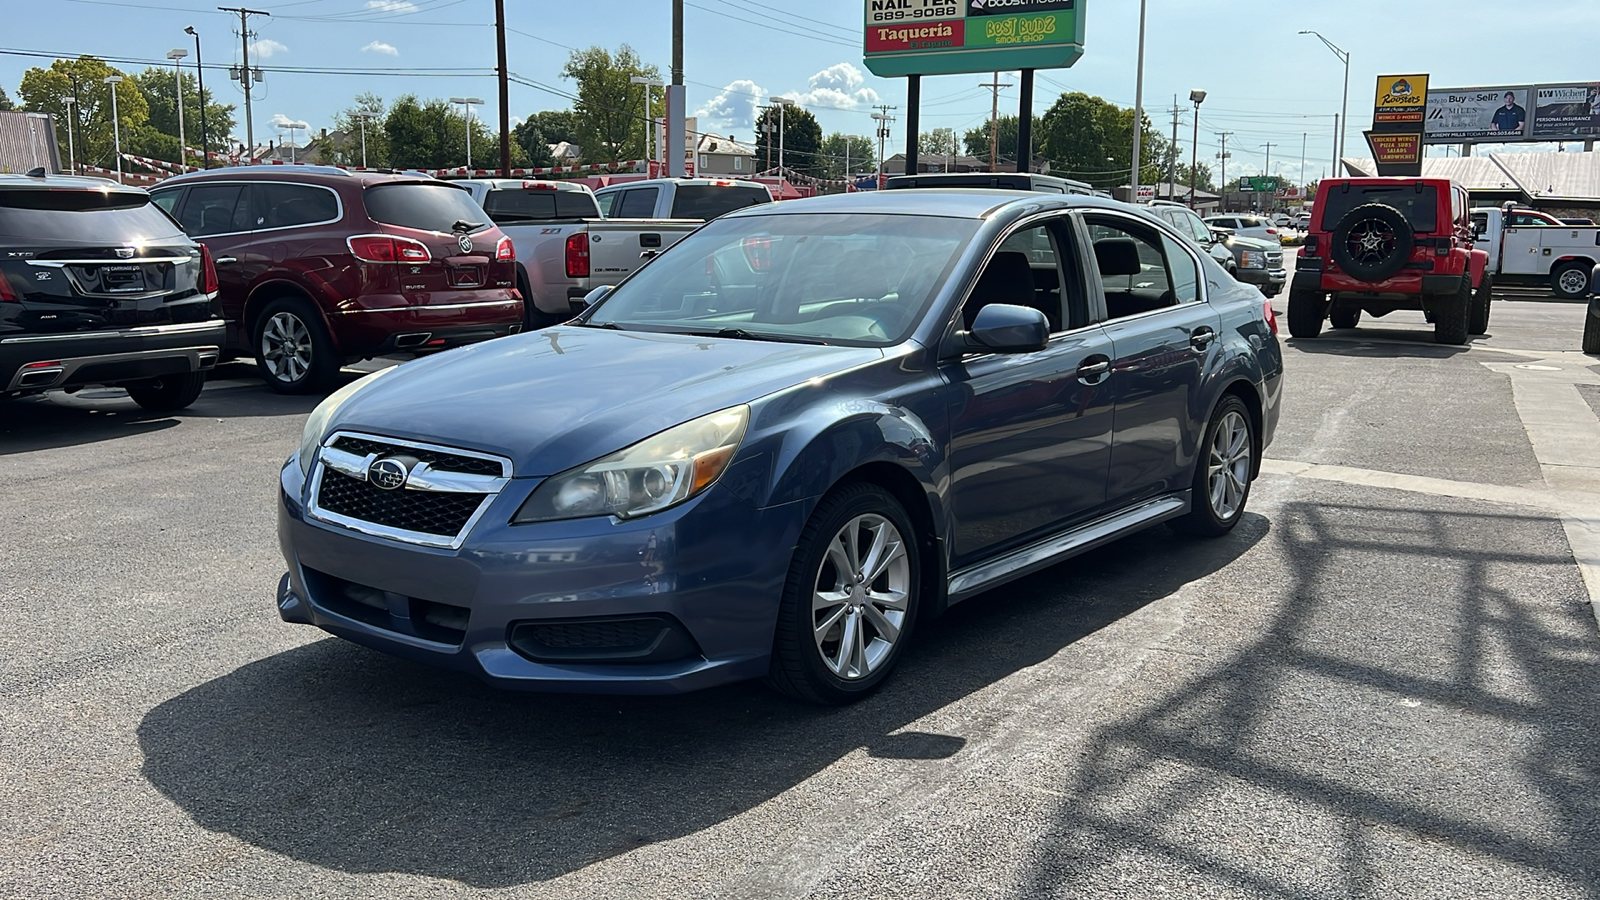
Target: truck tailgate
619,246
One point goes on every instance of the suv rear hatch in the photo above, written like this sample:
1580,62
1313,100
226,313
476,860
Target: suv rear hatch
76,259
441,239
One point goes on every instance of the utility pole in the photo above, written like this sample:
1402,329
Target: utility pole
177,72
245,79
1223,156
72,153
1172,153
1267,169
200,74
994,121
766,129
505,88
884,120
676,98
1302,175
1138,108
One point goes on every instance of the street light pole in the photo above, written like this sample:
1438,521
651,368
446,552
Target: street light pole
1197,98
1344,111
467,103
177,71
72,115
781,102
200,73
1138,108
649,117
362,117
116,126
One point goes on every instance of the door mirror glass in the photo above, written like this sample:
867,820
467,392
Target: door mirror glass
1003,328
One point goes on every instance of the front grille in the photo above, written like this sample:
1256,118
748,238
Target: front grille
427,512
609,639
444,462
597,635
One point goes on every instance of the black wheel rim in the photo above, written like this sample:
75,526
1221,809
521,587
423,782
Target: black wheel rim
1371,242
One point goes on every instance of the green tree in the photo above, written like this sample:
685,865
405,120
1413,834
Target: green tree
556,125
5,102
837,148
939,146
432,135
611,124
1089,139
977,140
802,139
159,87
369,112
43,90
529,138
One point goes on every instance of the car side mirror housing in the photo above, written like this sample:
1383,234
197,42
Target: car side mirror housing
1003,328
598,294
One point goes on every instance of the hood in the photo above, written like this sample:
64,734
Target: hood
1250,243
554,399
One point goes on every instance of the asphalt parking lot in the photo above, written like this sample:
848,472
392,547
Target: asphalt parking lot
1381,684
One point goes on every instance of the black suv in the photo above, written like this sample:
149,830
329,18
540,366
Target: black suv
99,286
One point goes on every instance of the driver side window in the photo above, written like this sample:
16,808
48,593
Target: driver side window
1034,268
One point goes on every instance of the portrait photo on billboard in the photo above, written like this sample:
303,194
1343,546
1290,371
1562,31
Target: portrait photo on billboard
1477,114
1566,112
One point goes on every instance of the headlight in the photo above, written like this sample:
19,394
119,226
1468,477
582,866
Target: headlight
317,425
1253,259
657,473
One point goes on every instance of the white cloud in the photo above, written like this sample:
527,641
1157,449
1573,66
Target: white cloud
841,86
734,108
266,49
380,47
397,6
279,120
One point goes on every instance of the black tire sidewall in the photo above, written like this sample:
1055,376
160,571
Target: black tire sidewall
795,613
175,392
1201,518
1405,242
1482,297
1344,317
1591,329
1306,311
1451,315
325,363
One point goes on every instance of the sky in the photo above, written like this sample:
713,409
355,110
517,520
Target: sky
1265,82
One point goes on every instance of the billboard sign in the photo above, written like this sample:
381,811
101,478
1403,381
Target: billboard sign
1396,154
1569,112
958,37
1478,115
1401,99
1261,184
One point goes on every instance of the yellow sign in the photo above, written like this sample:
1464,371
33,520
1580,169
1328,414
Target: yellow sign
1400,98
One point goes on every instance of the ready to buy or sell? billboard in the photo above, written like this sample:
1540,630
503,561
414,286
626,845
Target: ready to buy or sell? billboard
1514,113
955,37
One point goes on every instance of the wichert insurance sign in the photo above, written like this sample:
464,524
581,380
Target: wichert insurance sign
953,37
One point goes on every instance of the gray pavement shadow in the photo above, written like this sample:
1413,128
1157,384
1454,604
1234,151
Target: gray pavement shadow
1376,739
1386,343
351,760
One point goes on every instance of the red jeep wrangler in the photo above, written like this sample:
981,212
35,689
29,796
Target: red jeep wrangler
1381,244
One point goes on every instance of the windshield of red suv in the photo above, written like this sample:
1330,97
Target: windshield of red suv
1418,203
426,207
83,217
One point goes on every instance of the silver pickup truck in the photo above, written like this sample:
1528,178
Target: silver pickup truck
564,248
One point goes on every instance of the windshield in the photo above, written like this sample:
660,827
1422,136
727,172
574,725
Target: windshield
426,207
708,201
508,207
84,217
1419,204
857,280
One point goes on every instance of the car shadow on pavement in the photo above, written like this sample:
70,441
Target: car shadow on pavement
356,761
1372,737
1386,343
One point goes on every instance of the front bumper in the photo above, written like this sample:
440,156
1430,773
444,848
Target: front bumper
1262,277
50,361
714,567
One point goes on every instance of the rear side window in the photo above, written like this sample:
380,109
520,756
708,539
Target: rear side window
425,207
1419,204
285,205
605,202
508,207
638,204
83,217
215,209
708,201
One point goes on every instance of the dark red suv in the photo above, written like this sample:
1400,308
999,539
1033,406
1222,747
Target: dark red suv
319,267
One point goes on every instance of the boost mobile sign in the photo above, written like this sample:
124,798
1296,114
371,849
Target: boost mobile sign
954,37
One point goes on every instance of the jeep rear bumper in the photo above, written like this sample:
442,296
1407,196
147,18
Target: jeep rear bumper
1401,285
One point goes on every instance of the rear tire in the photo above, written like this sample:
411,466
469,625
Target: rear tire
1591,329
821,653
1450,313
1306,312
1344,316
169,393
1223,472
293,350
1570,281
533,317
1480,305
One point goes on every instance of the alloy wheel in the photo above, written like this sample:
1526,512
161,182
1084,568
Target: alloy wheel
1372,241
1228,472
861,595
286,347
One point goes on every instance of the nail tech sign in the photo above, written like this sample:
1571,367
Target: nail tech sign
898,25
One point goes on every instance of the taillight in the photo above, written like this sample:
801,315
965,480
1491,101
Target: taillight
383,248
1269,230
1272,317
6,294
208,271
578,255
504,251
758,252
1310,249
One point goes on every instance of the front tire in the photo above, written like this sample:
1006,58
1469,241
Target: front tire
1450,314
169,393
1306,312
850,601
1222,473
293,350
1481,299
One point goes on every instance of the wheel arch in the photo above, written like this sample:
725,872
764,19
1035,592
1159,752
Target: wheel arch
277,289
1246,391
913,498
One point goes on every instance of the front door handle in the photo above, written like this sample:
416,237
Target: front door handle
1202,337
1094,370
224,260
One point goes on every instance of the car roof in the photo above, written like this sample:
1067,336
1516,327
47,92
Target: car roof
518,184
324,175
64,183
960,203
716,182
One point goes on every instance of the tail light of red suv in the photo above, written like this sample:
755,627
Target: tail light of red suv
386,248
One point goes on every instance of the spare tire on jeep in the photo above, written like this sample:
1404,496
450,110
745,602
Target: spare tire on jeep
1372,242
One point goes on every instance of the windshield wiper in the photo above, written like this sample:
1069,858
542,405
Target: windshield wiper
611,325
464,225
743,335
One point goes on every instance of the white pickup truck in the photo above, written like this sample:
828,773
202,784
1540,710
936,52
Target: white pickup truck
564,248
679,198
1528,247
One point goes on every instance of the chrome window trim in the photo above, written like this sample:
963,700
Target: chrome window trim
342,461
209,182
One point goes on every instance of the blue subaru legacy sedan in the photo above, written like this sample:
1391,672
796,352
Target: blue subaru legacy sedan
778,447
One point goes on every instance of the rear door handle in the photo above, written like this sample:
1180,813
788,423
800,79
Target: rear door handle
1201,337
1094,370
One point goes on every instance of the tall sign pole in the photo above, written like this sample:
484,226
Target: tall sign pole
677,100
505,88
1138,107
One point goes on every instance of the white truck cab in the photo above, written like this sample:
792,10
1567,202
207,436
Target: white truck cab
679,198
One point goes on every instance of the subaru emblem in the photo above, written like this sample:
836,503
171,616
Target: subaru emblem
464,241
124,253
387,474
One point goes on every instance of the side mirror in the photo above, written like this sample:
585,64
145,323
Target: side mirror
1003,328
598,294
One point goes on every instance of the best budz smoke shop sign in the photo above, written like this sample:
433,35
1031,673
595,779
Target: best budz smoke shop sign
954,37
